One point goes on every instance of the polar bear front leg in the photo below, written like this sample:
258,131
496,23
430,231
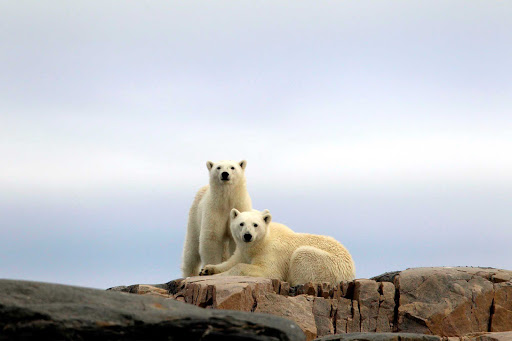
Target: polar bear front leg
211,241
210,269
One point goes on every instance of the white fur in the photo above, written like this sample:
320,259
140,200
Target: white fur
208,239
275,251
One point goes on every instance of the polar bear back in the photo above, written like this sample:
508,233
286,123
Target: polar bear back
277,251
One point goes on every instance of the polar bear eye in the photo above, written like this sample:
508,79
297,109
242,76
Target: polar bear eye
218,167
255,225
232,167
241,224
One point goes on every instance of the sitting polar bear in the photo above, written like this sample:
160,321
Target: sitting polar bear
208,239
265,249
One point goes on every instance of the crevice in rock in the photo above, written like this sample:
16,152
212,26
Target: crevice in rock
352,313
349,294
360,316
421,322
255,303
491,315
334,316
380,290
396,282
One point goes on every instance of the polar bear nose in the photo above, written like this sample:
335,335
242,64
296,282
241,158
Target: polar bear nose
225,175
247,237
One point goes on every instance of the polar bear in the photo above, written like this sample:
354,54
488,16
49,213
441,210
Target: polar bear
208,239
266,249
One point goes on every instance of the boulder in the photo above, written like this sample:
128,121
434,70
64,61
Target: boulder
453,301
33,310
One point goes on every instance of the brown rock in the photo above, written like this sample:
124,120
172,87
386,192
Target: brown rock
325,290
143,289
324,312
445,301
376,302
348,318
366,293
386,313
298,309
501,319
284,289
456,303
224,292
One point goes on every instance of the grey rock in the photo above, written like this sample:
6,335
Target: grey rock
380,337
33,310
503,336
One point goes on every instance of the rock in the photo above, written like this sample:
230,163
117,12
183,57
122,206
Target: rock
298,309
319,309
415,337
32,310
448,302
453,301
506,336
143,289
501,318
376,302
380,337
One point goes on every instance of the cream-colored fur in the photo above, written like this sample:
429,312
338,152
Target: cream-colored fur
275,251
208,239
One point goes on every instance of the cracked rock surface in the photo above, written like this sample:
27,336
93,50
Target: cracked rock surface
447,302
453,301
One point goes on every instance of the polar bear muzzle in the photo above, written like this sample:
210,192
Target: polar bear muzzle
247,237
225,176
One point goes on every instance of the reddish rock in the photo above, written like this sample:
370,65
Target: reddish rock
324,314
453,303
298,309
501,318
143,289
223,292
347,316
445,301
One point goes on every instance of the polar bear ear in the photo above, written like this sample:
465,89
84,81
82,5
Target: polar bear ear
242,164
234,213
209,165
267,217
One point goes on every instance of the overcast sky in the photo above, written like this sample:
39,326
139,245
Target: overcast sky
387,125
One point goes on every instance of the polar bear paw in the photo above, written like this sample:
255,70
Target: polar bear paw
208,270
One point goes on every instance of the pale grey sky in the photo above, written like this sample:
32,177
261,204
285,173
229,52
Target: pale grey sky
384,124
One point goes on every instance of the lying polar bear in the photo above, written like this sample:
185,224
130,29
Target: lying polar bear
265,249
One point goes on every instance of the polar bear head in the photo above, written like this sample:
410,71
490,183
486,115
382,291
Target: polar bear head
249,228
226,172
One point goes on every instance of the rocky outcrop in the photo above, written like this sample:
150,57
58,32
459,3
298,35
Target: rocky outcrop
42,311
448,302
